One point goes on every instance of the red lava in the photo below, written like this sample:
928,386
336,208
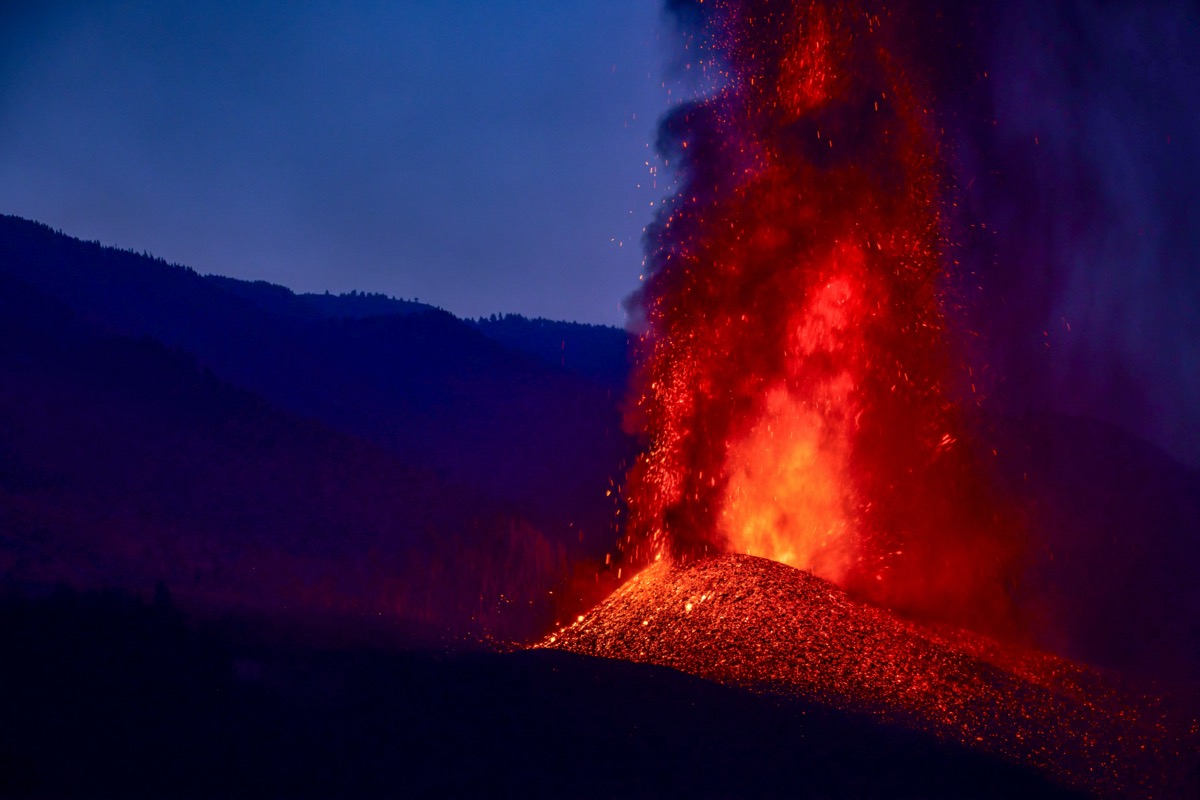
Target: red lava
762,625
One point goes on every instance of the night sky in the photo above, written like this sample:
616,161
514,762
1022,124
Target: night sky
492,157
484,156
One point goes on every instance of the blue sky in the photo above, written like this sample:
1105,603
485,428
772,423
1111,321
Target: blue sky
492,156
483,156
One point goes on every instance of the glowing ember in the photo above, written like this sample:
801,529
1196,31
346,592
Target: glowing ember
765,626
793,386
794,361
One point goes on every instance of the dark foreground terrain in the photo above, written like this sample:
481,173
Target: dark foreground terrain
106,696
749,622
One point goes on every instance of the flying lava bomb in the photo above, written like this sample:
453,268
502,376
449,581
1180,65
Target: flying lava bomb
799,384
807,391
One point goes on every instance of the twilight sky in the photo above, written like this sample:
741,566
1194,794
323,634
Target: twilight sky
482,155
491,156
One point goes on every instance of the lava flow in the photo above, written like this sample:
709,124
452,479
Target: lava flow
794,362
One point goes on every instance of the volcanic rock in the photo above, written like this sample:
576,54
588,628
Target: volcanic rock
768,627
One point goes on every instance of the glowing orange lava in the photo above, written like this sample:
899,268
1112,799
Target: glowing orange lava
789,493
794,358
768,628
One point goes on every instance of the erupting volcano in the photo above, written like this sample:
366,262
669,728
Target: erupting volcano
805,392
798,385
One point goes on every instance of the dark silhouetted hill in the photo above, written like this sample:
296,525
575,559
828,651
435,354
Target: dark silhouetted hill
357,305
595,351
125,461
424,386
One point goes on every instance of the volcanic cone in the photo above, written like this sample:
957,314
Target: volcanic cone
768,627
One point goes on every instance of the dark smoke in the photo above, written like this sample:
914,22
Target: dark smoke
1077,159
1073,130
1070,135
796,374
1080,153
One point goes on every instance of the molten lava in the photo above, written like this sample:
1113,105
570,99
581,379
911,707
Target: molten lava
796,385
794,360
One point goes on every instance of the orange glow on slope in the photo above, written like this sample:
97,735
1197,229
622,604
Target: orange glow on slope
768,628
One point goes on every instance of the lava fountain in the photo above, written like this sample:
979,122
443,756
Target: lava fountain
796,383
804,395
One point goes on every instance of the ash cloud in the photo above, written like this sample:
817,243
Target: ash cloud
1071,131
1078,152
1073,134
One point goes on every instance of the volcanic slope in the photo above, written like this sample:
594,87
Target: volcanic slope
765,626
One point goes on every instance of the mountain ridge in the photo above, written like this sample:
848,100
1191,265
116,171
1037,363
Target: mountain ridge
154,426
422,385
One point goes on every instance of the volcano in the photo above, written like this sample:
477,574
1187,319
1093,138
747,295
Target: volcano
762,625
